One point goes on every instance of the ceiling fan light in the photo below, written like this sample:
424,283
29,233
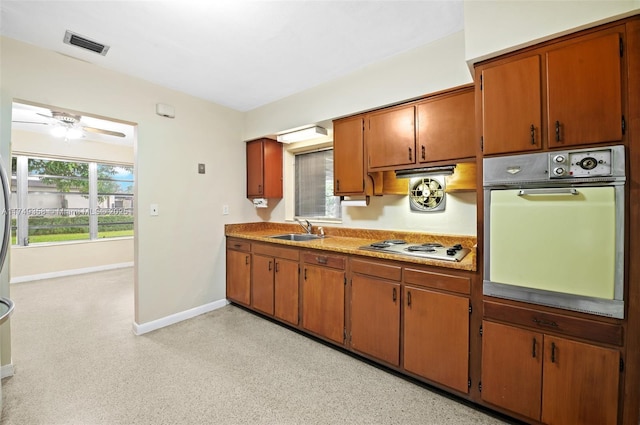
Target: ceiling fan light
58,131
74,133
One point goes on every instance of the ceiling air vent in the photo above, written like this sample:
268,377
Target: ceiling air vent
83,42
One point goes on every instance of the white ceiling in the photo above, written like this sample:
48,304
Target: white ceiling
238,53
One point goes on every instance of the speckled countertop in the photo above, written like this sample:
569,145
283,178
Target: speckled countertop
347,241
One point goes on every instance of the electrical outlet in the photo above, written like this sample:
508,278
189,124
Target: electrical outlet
225,210
153,209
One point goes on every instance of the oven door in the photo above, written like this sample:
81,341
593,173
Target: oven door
558,246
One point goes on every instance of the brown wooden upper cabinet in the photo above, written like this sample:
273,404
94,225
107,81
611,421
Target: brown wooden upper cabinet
390,137
264,169
446,127
348,156
437,128
559,95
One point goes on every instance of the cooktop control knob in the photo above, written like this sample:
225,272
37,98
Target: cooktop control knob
558,171
559,159
457,247
451,251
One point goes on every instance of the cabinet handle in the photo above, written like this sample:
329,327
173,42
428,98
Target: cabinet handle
395,295
322,260
269,265
423,154
533,348
533,135
259,188
237,245
277,268
553,352
246,259
544,322
557,131
410,154
305,273
338,185
409,298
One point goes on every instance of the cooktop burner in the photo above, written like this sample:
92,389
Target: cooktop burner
432,250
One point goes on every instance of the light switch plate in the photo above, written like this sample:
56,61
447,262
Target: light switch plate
225,210
200,168
153,209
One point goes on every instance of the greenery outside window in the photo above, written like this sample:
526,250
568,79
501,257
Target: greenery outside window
60,200
314,198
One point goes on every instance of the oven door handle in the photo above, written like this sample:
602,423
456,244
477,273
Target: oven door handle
547,191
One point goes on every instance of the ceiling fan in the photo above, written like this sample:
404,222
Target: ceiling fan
69,125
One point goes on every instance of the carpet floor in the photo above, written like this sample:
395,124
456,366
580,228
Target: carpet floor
77,361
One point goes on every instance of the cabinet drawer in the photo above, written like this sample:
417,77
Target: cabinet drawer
324,260
384,271
276,251
445,282
549,322
239,245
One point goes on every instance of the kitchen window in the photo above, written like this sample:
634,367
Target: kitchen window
314,199
55,200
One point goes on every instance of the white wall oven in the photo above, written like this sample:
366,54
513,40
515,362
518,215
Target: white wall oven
554,229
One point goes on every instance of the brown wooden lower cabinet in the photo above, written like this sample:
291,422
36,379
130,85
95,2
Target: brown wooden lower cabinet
548,378
239,273
274,276
375,318
323,297
436,336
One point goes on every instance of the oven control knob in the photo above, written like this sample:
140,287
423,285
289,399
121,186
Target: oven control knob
559,159
558,171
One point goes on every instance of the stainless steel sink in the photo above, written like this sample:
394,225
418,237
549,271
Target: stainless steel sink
298,237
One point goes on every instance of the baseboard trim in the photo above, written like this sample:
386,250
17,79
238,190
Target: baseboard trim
6,370
143,328
72,272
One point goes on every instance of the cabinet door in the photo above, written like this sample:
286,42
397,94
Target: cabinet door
239,276
255,169
436,337
286,290
390,137
584,92
512,106
348,156
446,127
580,383
264,169
323,302
375,318
262,288
512,368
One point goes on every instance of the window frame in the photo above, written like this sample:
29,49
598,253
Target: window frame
22,211
290,152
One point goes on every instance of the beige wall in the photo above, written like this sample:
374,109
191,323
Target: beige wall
39,261
495,27
179,254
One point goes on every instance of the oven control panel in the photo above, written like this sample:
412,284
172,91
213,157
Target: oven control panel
580,164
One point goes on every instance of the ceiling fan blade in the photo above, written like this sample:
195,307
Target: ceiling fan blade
102,131
31,122
43,115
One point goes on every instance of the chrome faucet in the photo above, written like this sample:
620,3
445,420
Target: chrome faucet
306,228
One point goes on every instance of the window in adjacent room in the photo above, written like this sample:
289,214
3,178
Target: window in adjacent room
54,200
314,198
